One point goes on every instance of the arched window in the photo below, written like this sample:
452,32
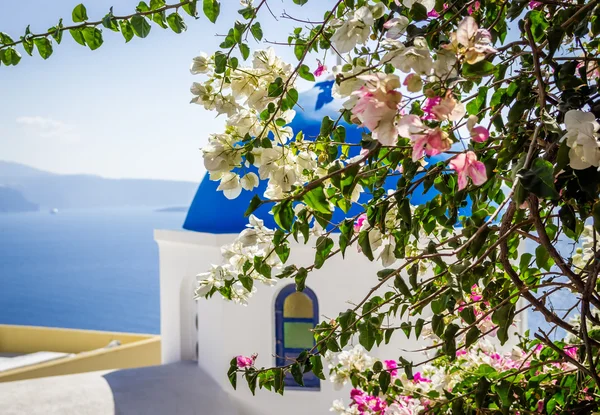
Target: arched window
296,314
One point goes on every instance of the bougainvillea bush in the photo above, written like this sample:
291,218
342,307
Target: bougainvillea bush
506,92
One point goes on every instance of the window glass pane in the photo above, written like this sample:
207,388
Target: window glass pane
298,335
298,305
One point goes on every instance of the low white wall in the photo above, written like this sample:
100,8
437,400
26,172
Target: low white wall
226,329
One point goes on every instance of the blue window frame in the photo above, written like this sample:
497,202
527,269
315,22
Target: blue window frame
296,314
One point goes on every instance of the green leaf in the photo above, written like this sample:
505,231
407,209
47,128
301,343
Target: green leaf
251,378
93,37
57,32
284,214
478,70
5,39
596,216
324,247
160,19
539,180
472,336
126,30
142,7
220,62
297,374
254,204
301,2
247,282
300,279
157,4
384,380
140,26
176,23
346,231
419,327
305,73
79,13
402,287
191,8
256,31
316,200
366,337
542,258
44,47
211,9
502,388
275,88
363,242
77,35
244,50
232,372
317,366
28,46
481,391
110,22
418,12
539,25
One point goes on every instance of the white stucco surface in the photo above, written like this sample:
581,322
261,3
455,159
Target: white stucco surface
226,329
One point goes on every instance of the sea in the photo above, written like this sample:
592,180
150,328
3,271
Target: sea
97,269
83,269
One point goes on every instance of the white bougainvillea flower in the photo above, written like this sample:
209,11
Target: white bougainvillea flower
429,4
377,106
413,83
200,64
449,109
415,58
582,139
353,31
466,165
396,27
249,181
230,185
470,41
445,64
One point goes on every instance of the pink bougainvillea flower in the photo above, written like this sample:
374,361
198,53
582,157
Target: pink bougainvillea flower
428,108
321,69
473,7
449,109
467,166
429,142
468,40
359,222
244,361
534,4
479,133
420,379
377,106
433,14
392,366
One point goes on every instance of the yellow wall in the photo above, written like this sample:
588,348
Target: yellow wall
136,350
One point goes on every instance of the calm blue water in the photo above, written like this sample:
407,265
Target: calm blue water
88,269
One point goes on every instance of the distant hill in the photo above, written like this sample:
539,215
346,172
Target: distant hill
12,200
51,190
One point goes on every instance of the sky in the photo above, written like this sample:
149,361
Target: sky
123,110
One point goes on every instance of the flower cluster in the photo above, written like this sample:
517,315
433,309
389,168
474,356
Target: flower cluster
256,241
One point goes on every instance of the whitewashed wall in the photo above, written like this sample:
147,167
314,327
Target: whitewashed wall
226,329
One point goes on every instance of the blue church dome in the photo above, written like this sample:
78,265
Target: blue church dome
212,212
